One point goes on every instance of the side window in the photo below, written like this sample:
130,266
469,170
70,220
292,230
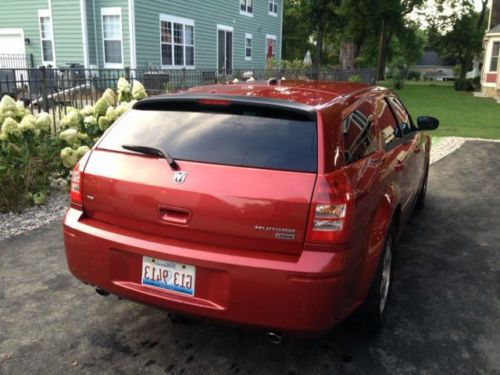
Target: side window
402,116
359,134
391,133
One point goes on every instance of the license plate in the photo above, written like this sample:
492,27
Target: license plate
168,275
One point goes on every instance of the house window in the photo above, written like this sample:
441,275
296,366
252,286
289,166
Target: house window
246,7
248,47
46,37
112,37
270,46
177,42
495,52
273,7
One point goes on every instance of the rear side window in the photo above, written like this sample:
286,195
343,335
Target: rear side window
359,134
402,116
390,129
245,140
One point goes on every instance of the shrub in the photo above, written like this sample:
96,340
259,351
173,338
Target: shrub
82,128
476,82
414,75
398,71
355,78
398,84
28,156
462,84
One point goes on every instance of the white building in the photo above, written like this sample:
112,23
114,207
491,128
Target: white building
490,78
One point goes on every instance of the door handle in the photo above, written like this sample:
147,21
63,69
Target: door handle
400,166
174,215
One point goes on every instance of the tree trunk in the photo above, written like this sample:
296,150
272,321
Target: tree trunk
381,57
347,55
358,44
319,46
482,15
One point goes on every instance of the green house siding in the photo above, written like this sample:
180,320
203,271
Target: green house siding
91,35
207,15
24,15
123,5
66,19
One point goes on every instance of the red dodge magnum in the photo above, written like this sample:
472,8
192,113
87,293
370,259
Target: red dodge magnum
273,204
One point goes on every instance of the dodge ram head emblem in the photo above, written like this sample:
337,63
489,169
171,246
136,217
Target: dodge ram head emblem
180,177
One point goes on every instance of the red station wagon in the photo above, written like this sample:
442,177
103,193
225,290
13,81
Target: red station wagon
272,204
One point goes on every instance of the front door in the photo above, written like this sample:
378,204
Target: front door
225,51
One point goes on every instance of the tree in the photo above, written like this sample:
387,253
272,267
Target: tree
297,31
306,21
464,41
392,16
458,36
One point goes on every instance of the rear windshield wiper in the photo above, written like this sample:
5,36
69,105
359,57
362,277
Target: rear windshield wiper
155,152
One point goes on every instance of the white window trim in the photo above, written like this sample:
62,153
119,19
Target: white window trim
47,13
184,22
248,36
131,27
225,28
278,6
83,24
246,12
490,56
273,37
113,11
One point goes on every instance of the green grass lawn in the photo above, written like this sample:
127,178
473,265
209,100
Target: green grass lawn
460,113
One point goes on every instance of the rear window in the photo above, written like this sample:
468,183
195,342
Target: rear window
246,140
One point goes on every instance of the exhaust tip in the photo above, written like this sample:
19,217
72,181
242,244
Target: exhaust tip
274,337
102,292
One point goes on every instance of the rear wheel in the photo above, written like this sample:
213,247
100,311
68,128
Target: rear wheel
378,297
420,203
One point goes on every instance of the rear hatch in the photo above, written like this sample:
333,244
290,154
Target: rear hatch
245,176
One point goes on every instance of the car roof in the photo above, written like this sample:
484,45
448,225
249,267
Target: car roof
310,93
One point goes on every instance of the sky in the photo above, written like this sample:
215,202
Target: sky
430,4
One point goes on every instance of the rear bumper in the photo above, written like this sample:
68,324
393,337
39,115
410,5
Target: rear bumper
295,294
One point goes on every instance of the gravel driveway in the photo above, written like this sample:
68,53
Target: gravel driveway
444,317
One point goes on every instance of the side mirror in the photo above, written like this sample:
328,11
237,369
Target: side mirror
427,123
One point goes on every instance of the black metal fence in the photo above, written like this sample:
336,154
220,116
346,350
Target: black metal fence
52,90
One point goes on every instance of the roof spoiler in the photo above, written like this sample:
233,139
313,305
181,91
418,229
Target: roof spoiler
195,102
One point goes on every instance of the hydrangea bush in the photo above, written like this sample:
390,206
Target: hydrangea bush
80,129
28,154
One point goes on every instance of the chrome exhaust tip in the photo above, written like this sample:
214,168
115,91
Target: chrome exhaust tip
274,337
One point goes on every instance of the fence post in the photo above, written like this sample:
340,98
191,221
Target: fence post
127,73
45,97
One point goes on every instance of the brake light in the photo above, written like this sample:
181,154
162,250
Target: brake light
75,192
331,209
214,102
76,188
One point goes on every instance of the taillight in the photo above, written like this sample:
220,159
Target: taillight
75,192
76,187
331,209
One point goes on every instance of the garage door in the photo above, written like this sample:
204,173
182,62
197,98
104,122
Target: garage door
12,51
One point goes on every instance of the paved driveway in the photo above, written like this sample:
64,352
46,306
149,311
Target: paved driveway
444,318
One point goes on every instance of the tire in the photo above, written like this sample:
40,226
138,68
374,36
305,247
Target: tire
420,203
375,306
